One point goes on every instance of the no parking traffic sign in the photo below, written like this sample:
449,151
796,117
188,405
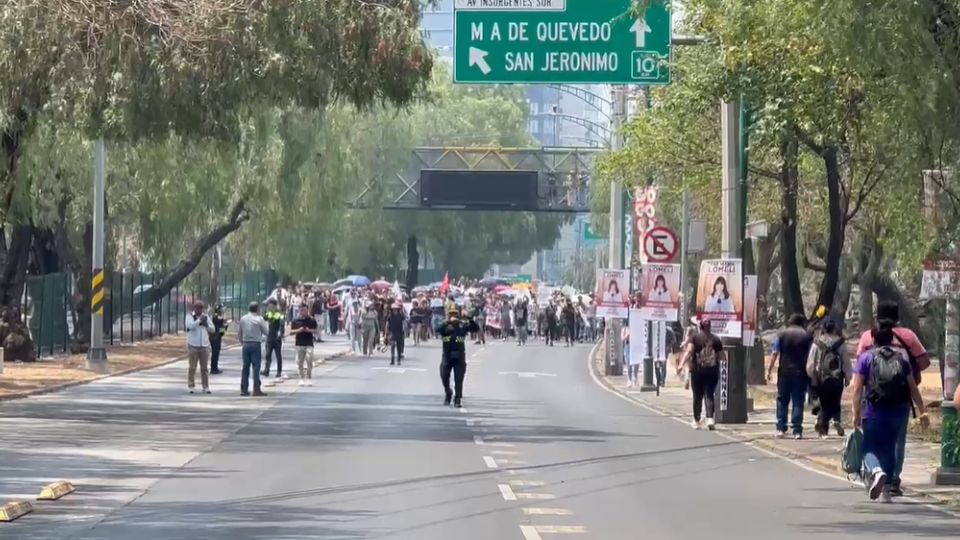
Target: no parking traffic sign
660,245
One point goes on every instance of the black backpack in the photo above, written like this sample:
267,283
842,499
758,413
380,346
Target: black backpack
828,366
888,385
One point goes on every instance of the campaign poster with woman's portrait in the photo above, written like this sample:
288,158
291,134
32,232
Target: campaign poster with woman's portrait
660,299
612,294
720,296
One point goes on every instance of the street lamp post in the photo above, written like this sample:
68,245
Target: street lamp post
97,355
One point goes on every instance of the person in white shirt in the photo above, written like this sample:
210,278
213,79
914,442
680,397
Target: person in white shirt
198,327
252,332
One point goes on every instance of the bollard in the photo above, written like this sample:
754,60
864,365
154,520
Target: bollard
1,360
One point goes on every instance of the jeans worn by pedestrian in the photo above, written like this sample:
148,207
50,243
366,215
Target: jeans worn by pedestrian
791,393
829,393
396,346
216,343
880,438
899,451
252,356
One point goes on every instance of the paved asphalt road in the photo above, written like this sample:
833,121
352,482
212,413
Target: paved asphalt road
540,451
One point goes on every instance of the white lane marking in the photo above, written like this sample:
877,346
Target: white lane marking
397,369
764,451
471,422
505,453
547,511
536,496
507,492
478,440
463,410
526,483
491,463
561,529
528,374
530,532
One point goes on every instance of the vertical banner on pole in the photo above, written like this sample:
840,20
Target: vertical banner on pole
749,310
720,296
612,293
638,337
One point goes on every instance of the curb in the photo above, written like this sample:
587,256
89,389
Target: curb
830,467
63,386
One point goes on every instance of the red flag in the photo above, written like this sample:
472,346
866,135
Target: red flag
445,286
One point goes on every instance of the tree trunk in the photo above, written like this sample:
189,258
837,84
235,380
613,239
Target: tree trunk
213,292
238,215
789,265
836,214
868,277
413,262
14,270
768,259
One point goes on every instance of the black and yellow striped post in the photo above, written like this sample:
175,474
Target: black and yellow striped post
96,292
97,355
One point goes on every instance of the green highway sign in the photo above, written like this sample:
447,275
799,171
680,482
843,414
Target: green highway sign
561,41
589,235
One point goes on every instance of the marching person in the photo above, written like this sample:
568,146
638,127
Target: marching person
304,328
521,316
791,351
369,326
252,333
395,328
220,325
276,323
198,327
453,332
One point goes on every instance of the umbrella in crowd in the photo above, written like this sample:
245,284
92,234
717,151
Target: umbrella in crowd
503,289
422,289
359,281
381,286
493,282
346,282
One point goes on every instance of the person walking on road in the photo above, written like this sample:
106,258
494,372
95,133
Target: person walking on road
883,389
304,328
396,329
333,311
521,317
702,358
906,341
453,333
252,333
220,325
791,352
569,316
829,370
369,328
198,327
276,322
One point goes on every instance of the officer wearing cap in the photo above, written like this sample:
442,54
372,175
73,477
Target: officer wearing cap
453,332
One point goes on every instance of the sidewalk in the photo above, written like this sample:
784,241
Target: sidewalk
921,461
114,437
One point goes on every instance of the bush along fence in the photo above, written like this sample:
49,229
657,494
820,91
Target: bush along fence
50,305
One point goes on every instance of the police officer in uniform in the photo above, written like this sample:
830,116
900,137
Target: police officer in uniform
453,332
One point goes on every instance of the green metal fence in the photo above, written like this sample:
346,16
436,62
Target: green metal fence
129,315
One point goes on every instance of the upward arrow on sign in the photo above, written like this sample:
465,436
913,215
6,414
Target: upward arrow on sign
640,29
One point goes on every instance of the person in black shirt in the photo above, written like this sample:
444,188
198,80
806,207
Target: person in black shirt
275,324
395,322
454,332
304,328
790,356
569,316
521,315
702,358
220,325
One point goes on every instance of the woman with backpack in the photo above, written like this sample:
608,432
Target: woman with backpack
883,389
702,359
828,367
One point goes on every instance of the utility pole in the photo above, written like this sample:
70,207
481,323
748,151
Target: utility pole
614,363
733,382
684,242
648,384
97,355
